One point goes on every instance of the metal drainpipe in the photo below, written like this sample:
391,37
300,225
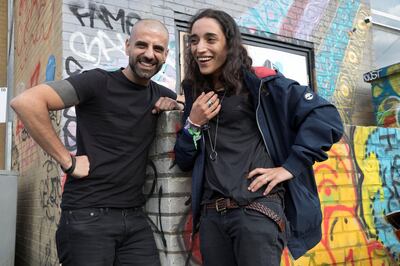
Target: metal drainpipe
10,85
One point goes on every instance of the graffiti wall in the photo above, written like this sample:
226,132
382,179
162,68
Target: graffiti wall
37,59
357,184
339,34
385,83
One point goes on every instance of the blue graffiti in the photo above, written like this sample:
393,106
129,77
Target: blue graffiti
384,83
51,68
384,143
267,16
329,58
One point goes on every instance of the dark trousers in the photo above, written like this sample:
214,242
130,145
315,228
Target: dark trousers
240,237
105,236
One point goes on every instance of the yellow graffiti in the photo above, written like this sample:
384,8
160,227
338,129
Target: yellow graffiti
377,89
394,79
369,165
345,238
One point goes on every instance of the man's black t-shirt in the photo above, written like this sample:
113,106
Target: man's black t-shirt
115,128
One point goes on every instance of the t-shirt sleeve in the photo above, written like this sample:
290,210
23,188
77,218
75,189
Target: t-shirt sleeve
66,92
165,92
86,83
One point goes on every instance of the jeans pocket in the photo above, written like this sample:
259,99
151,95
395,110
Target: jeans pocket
84,216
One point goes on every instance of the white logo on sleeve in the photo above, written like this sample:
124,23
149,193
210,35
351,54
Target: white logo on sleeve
308,96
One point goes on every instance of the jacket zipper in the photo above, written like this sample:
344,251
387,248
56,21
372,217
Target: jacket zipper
258,124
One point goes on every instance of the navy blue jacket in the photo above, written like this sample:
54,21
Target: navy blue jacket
298,128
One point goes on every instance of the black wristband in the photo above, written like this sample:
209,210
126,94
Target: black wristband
70,170
184,105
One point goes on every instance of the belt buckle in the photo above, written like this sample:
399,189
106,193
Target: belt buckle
220,205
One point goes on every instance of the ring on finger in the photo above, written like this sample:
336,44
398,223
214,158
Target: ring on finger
209,103
266,178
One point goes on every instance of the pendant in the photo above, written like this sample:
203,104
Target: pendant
213,155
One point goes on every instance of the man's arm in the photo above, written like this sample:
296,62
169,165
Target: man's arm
167,101
32,107
166,104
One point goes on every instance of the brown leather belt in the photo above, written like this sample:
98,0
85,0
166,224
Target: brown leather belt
223,204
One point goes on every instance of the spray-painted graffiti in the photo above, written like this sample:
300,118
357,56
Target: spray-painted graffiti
50,188
312,14
267,16
50,199
371,76
72,66
379,161
344,94
33,162
97,13
28,147
34,23
99,48
345,237
337,56
386,95
69,129
330,55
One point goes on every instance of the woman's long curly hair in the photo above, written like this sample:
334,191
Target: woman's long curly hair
237,58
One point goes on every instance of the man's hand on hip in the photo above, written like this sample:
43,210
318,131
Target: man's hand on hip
82,167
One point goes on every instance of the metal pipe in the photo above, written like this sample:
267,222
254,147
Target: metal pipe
10,85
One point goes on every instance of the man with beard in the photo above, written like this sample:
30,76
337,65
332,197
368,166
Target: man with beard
102,220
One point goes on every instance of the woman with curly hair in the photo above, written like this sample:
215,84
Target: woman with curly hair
250,138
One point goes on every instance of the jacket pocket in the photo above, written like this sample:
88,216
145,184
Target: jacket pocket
303,209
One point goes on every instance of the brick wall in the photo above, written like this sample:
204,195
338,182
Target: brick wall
38,50
357,184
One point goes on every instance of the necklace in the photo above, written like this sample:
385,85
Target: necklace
213,154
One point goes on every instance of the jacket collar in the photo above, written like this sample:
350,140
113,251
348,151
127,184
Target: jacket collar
261,74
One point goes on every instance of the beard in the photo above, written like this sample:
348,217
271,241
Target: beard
134,64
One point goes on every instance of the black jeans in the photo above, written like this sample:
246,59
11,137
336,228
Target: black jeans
105,236
241,237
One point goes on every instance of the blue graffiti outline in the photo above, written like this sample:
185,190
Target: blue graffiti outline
384,143
266,16
51,68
